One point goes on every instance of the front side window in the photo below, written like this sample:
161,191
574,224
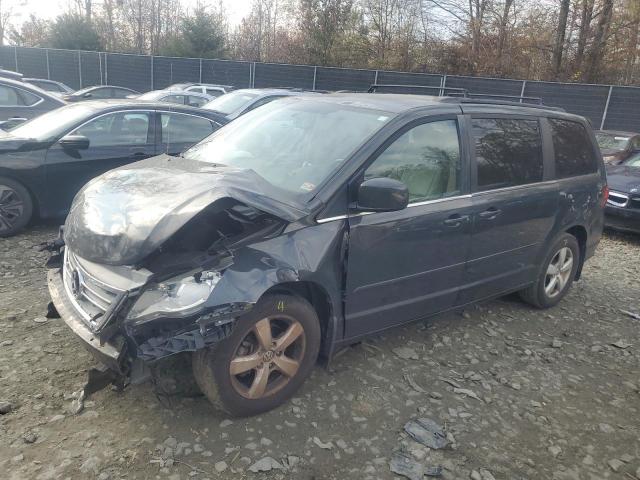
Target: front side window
177,128
214,92
573,149
508,152
101,93
179,99
116,129
196,101
426,159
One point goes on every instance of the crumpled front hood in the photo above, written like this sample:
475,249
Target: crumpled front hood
623,178
122,216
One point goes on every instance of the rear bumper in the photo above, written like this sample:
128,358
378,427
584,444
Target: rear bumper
111,353
625,219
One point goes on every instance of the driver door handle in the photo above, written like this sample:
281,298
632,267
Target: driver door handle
456,220
490,213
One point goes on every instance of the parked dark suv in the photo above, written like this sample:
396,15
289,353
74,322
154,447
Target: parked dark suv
311,222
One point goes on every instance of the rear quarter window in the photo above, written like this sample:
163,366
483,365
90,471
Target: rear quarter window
573,149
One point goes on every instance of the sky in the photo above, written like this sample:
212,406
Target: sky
21,9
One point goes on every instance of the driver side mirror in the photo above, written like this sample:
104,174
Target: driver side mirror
382,195
74,142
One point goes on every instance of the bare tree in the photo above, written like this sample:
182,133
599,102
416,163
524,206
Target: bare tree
558,47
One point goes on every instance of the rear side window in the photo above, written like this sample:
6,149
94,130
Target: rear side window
573,149
508,152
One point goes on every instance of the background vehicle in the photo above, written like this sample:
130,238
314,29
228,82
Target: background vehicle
211,89
100,92
617,146
239,102
44,162
314,221
21,101
51,86
623,206
180,97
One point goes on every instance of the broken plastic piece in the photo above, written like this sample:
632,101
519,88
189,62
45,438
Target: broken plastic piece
403,464
99,378
427,432
52,312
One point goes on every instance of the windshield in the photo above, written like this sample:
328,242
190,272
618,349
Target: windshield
294,144
608,141
633,161
50,125
231,102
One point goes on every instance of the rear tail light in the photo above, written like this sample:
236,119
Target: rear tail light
605,195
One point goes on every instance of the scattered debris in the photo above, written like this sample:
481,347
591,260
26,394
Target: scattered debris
635,316
5,407
453,383
406,353
41,320
556,343
404,465
615,464
412,383
427,432
30,437
467,392
321,444
621,344
266,464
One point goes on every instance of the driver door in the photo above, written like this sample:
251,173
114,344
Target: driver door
115,139
407,264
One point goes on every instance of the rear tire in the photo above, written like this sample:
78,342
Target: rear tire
16,207
556,274
268,356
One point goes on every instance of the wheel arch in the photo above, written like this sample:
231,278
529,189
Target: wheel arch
580,234
34,198
319,299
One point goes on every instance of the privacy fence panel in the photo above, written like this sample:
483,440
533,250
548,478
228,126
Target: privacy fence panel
586,100
227,72
32,62
618,106
131,71
170,70
624,109
276,75
91,68
488,86
328,78
64,67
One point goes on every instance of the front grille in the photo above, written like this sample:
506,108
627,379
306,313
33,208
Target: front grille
618,199
90,297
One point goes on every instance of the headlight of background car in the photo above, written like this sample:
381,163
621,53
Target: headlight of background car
175,297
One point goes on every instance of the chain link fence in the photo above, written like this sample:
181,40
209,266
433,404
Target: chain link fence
608,107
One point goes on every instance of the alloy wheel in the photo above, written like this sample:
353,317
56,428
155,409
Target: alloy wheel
11,208
558,272
268,357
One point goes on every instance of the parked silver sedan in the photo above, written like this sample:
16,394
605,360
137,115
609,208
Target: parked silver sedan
181,97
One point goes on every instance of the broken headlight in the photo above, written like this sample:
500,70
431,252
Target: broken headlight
175,297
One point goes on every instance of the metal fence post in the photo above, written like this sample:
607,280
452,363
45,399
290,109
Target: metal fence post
375,79
80,68
106,69
15,56
46,52
444,84
524,85
606,108
315,72
200,71
253,77
152,57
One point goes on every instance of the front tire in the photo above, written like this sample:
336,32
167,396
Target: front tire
268,356
556,274
16,207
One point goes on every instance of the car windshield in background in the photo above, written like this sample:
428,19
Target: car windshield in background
155,95
294,144
50,125
633,161
609,141
231,102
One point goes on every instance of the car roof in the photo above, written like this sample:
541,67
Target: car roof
179,92
31,87
107,105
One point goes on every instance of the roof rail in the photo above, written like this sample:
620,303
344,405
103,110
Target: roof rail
441,91
518,98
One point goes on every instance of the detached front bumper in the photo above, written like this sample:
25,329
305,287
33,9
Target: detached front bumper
619,218
111,353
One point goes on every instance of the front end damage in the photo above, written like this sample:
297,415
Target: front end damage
178,299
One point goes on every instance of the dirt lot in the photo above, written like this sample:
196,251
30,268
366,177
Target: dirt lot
545,394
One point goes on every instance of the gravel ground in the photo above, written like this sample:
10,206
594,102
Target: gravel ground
521,394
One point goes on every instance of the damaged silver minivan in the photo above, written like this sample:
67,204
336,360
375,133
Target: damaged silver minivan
312,222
